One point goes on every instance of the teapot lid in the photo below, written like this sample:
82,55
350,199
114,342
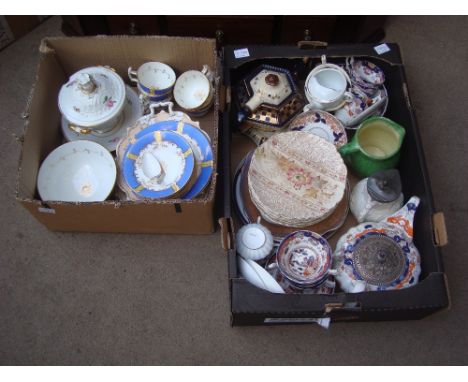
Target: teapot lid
384,186
92,96
379,260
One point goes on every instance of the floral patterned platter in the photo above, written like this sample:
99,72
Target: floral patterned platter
322,124
249,213
93,98
328,287
159,165
379,256
296,179
131,112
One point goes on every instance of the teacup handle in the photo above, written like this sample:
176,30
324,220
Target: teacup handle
348,97
160,105
132,75
208,73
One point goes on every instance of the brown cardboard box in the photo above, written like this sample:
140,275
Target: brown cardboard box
61,57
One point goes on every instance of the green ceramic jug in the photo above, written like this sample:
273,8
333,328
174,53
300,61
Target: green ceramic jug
375,146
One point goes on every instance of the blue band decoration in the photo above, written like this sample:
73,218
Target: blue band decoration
142,142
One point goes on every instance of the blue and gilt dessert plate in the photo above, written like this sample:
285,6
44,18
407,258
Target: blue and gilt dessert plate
200,144
159,165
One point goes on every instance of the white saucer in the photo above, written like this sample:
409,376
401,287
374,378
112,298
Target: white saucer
131,112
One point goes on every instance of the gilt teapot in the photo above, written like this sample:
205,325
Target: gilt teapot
379,256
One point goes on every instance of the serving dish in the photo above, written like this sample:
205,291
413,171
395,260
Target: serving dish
131,112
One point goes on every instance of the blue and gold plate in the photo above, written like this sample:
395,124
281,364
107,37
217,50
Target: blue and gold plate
201,140
175,157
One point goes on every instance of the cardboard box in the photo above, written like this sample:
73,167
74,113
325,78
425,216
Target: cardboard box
254,306
61,57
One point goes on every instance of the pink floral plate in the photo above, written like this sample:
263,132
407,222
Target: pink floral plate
296,179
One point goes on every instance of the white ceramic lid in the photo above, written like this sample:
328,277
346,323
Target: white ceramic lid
92,96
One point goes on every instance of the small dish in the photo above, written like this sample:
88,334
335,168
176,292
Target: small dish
131,112
159,165
322,124
79,171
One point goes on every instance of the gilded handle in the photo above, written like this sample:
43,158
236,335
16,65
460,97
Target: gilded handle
132,75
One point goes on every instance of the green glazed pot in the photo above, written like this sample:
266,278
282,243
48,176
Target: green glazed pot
375,146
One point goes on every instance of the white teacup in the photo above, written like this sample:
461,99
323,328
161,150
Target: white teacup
326,87
155,80
193,91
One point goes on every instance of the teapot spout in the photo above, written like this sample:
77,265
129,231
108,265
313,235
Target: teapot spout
404,217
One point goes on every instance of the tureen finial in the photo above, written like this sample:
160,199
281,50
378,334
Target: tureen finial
86,83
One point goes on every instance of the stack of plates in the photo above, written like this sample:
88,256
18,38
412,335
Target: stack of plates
249,213
296,179
166,159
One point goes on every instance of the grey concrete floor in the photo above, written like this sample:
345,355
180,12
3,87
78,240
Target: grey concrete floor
118,299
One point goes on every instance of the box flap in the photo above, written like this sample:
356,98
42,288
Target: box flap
440,230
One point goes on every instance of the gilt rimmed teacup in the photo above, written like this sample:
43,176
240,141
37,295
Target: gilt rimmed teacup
155,80
194,92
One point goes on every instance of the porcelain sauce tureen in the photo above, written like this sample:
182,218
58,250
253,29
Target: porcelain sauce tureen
92,99
379,256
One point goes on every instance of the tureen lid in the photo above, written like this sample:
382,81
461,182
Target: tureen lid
92,96
379,260
384,186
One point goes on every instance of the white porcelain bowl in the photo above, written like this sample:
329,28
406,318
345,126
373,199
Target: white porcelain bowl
79,171
192,89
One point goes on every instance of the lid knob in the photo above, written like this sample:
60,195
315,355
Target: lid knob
384,186
272,80
86,83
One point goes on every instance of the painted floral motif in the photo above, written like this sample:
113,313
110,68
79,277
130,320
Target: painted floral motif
108,101
299,177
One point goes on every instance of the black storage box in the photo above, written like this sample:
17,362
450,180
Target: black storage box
253,306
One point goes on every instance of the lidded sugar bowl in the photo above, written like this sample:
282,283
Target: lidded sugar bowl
93,100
